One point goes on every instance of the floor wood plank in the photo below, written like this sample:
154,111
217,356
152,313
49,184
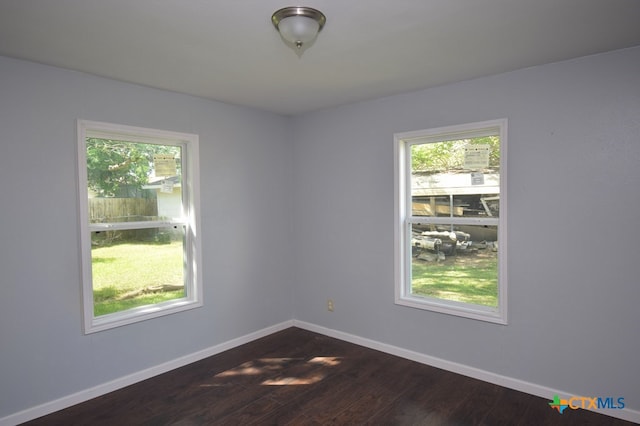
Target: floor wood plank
296,377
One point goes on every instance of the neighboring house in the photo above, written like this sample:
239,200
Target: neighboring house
436,192
168,194
460,194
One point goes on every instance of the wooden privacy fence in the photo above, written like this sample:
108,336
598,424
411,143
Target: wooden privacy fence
102,210
122,209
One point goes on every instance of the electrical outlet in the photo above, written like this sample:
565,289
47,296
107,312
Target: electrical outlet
330,305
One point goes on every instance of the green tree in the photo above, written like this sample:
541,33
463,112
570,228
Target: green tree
120,168
449,155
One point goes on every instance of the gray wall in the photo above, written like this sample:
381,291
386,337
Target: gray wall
246,197
573,224
295,211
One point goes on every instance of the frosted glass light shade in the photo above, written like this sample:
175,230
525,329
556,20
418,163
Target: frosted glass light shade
299,30
298,26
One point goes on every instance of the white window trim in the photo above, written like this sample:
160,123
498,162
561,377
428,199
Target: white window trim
402,209
191,221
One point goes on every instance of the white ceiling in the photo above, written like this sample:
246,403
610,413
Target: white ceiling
228,50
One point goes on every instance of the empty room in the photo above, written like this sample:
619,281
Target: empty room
248,212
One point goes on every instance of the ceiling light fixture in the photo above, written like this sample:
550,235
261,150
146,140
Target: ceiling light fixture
298,26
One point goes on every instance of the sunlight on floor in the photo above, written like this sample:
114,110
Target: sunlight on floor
285,381
307,371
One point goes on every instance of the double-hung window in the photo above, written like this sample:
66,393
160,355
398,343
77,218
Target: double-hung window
450,220
140,245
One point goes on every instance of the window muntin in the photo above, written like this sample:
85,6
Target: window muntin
139,214
450,220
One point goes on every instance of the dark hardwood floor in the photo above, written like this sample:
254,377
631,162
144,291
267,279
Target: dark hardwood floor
296,377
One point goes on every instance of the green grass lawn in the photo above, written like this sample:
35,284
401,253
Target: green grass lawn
464,280
127,267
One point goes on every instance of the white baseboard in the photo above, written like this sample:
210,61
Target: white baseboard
102,389
508,382
465,370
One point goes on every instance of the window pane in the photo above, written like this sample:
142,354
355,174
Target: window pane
456,178
458,263
136,268
131,182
